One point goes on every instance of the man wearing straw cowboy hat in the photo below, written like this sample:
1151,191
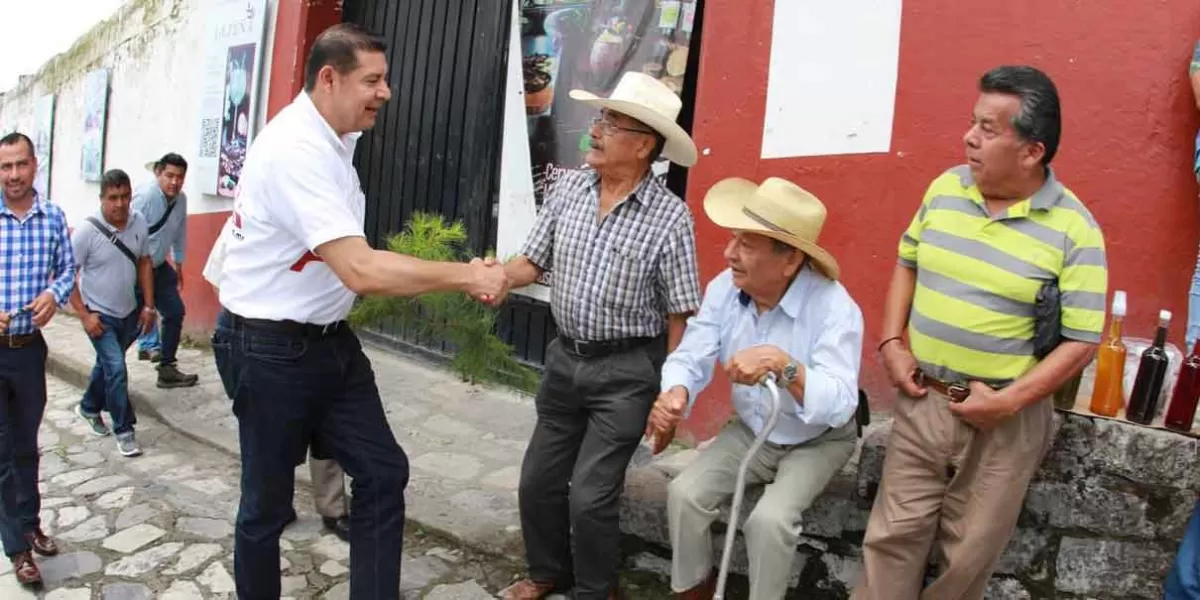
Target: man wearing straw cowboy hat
778,309
622,250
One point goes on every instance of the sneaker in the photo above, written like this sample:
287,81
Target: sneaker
150,355
169,376
95,422
127,444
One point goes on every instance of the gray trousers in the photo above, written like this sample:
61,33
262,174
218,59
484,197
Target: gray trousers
591,415
329,487
793,475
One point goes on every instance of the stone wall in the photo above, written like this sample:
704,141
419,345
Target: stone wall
1102,518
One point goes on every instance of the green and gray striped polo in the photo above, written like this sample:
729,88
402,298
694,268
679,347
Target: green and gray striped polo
972,315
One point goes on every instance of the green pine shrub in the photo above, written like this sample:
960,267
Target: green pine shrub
479,355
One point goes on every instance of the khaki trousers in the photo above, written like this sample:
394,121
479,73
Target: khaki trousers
953,488
329,487
794,476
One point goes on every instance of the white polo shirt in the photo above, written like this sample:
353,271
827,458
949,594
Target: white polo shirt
298,190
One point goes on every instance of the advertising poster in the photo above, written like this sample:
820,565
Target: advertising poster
230,93
235,121
43,143
578,44
95,111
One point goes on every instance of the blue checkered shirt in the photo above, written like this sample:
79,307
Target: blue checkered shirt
35,257
620,277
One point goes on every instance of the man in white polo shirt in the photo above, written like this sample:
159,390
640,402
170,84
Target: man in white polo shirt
296,259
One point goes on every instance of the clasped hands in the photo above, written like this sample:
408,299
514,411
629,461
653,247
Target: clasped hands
43,308
747,367
489,283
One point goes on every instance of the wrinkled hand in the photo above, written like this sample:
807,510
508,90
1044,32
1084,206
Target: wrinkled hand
43,308
92,325
490,283
985,408
146,320
4,320
749,366
665,416
901,367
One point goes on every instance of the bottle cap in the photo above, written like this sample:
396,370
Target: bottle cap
1118,305
1164,315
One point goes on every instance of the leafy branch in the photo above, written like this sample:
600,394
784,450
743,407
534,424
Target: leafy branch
479,355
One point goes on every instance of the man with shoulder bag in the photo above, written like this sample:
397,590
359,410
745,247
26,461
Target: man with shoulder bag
112,251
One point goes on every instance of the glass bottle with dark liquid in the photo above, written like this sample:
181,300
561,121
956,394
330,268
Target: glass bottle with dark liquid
1182,411
1143,401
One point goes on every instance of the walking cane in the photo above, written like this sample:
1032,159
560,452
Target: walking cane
739,490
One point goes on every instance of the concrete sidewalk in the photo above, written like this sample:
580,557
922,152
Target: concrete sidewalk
465,443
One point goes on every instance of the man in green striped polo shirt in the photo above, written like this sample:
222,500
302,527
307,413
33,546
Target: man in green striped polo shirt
974,416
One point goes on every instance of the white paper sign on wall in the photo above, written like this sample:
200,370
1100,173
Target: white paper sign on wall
832,81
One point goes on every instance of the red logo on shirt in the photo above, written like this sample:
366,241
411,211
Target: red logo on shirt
304,260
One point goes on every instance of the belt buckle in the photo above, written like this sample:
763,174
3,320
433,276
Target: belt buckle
328,328
954,389
576,346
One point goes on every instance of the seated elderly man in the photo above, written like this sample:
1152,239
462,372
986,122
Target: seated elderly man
778,309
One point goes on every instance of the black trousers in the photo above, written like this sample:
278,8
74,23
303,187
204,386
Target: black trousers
591,414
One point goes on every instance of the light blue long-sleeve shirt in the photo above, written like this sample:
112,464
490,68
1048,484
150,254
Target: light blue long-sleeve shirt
149,200
816,323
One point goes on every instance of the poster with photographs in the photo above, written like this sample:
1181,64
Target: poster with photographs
43,143
235,121
95,111
577,44
229,99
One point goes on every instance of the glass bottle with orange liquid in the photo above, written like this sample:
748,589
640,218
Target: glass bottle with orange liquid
1108,395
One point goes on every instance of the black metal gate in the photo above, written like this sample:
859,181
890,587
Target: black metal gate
437,145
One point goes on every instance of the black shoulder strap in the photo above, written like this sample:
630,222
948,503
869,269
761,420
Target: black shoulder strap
112,237
163,221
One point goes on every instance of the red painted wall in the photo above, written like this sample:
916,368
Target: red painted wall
1129,125
297,24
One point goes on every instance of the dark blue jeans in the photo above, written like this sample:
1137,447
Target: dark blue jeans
1183,582
288,388
108,389
171,309
22,402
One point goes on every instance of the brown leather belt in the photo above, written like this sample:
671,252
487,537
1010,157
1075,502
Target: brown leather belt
956,392
19,341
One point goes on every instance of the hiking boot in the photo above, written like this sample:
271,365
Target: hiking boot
150,355
169,376
95,422
127,444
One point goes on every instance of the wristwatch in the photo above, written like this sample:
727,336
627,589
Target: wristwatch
788,375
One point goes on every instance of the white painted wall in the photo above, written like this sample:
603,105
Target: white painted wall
156,67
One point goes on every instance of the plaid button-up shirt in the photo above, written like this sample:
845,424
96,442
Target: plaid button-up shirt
619,277
35,257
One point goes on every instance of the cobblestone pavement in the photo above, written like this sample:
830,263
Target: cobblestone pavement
161,526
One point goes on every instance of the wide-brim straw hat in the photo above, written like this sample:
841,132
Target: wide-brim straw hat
778,209
642,97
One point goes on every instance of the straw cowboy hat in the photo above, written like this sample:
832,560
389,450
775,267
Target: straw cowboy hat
778,209
650,101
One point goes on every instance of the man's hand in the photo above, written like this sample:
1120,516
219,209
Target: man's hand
985,408
43,308
179,277
92,324
749,366
4,319
146,320
901,368
490,283
665,416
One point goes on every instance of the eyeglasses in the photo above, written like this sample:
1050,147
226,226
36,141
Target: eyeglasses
607,127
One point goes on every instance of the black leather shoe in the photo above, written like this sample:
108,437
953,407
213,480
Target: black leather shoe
340,526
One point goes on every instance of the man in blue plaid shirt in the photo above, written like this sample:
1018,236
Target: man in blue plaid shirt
621,248
37,274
